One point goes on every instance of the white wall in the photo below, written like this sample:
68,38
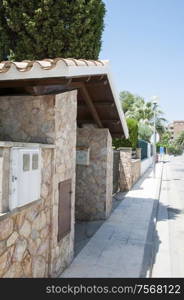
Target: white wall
149,150
145,164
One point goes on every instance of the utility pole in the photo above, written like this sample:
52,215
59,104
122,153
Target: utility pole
155,103
154,143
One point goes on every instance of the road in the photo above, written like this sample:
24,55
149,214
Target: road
169,237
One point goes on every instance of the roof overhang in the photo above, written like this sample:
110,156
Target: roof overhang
98,100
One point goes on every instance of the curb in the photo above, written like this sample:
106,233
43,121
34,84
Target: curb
155,218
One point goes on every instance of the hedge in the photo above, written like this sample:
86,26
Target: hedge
133,136
39,29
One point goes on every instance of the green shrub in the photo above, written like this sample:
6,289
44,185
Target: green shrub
145,131
175,150
133,136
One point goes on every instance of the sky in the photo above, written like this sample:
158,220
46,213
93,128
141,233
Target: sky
144,41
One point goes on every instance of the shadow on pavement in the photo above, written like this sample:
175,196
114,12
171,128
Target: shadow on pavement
147,236
152,241
84,231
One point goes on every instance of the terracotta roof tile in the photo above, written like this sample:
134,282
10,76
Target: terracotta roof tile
47,64
57,68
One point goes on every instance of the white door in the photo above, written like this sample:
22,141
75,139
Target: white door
25,176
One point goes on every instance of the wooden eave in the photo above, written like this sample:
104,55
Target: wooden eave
95,99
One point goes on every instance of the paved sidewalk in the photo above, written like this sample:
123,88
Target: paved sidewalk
122,246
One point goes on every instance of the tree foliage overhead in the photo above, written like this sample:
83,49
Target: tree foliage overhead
127,99
39,29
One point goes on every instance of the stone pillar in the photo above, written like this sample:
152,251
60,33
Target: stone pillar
125,169
65,112
138,153
4,178
116,158
94,181
47,119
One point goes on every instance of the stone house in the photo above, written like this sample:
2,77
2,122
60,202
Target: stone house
57,120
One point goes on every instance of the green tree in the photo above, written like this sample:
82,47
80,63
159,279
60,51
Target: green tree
160,126
142,110
135,107
128,100
39,29
173,147
133,136
165,139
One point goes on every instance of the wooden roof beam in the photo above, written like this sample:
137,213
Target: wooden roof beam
99,104
113,122
34,82
88,101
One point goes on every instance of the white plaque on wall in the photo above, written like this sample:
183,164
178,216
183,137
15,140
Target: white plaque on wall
82,156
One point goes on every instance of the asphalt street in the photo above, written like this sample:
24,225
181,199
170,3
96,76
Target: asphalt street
169,237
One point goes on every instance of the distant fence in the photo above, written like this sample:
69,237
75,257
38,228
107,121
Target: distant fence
144,149
146,155
158,149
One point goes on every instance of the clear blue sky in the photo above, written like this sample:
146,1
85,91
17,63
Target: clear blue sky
144,41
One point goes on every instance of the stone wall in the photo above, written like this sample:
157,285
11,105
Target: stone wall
125,169
25,232
65,164
136,170
116,161
130,169
28,241
27,119
94,182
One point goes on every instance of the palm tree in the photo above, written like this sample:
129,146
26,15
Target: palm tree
140,110
145,130
135,107
143,112
160,126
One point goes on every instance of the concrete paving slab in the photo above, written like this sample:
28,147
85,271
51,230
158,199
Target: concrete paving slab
118,247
